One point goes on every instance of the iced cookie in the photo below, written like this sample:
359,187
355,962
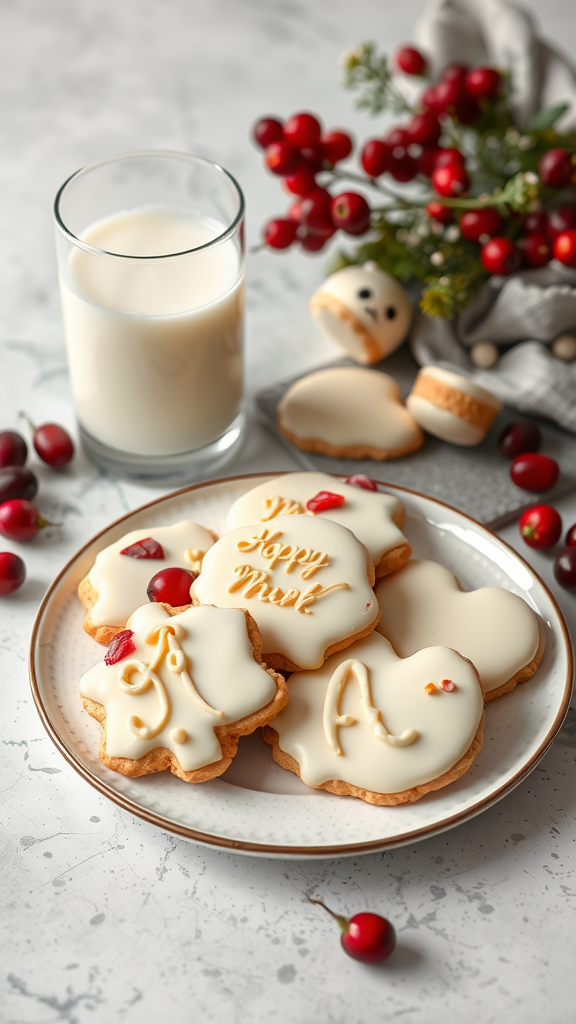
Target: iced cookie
371,725
364,310
375,518
350,413
452,407
306,581
117,582
498,631
176,692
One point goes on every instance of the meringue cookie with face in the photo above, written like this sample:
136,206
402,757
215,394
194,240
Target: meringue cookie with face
364,310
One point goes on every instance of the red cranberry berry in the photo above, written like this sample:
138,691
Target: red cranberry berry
282,157
367,937
540,526
171,586
410,60
121,646
363,481
146,548
303,130
20,520
570,538
558,220
500,256
476,223
313,157
266,131
316,214
311,243
280,233
426,160
450,93
517,438
425,128
450,155
17,482
13,449
443,214
565,247
535,249
401,165
323,501
12,572
398,137
455,72
534,472
52,444
302,182
375,157
565,567
337,146
483,83
535,223
450,180
351,213
429,100
555,168
467,112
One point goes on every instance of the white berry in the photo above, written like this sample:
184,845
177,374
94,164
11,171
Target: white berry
484,354
564,347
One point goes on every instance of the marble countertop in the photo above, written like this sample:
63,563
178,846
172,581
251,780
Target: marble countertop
105,918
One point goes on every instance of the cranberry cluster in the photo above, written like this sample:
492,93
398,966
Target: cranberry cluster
20,520
298,151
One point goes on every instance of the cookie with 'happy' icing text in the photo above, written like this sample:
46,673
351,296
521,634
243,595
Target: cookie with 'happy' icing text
349,413
423,604
387,730
117,582
176,691
375,517
306,581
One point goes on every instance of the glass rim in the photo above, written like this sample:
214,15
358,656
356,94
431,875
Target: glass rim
172,153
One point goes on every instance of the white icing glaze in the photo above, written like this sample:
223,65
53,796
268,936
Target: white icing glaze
444,723
422,605
302,605
368,514
349,406
442,423
121,581
456,380
371,312
224,684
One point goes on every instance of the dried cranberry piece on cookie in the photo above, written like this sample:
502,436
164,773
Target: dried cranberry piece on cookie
121,646
145,548
323,501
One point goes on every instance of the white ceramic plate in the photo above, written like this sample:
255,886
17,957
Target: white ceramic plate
257,807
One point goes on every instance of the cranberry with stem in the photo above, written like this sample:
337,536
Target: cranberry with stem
476,223
534,472
302,182
425,128
17,482
500,256
171,586
367,937
410,61
540,526
12,572
13,449
375,157
282,157
266,131
337,146
521,436
52,443
351,213
303,130
21,520
484,83
450,180
280,233
565,567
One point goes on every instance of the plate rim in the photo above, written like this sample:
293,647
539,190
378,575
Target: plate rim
274,849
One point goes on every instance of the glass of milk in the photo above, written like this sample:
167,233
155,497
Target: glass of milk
151,265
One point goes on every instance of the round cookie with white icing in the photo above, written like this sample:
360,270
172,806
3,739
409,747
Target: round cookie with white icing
498,631
180,690
374,517
364,310
370,725
117,582
306,581
451,406
348,412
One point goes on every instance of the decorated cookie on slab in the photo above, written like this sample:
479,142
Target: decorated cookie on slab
375,518
118,580
176,692
498,631
451,406
371,725
349,413
305,580
364,310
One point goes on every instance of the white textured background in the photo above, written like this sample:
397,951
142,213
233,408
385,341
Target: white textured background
105,918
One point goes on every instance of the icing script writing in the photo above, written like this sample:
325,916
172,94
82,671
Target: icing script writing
332,720
256,583
168,653
276,506
273,552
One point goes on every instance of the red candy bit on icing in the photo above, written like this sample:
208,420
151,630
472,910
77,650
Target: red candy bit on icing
448,685
324,500
363,481
121,646
146,548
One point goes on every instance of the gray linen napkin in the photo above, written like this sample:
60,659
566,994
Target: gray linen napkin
530,309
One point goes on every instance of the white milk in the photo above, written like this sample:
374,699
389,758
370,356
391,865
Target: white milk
154,347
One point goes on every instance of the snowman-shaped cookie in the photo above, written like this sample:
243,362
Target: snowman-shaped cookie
364,310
